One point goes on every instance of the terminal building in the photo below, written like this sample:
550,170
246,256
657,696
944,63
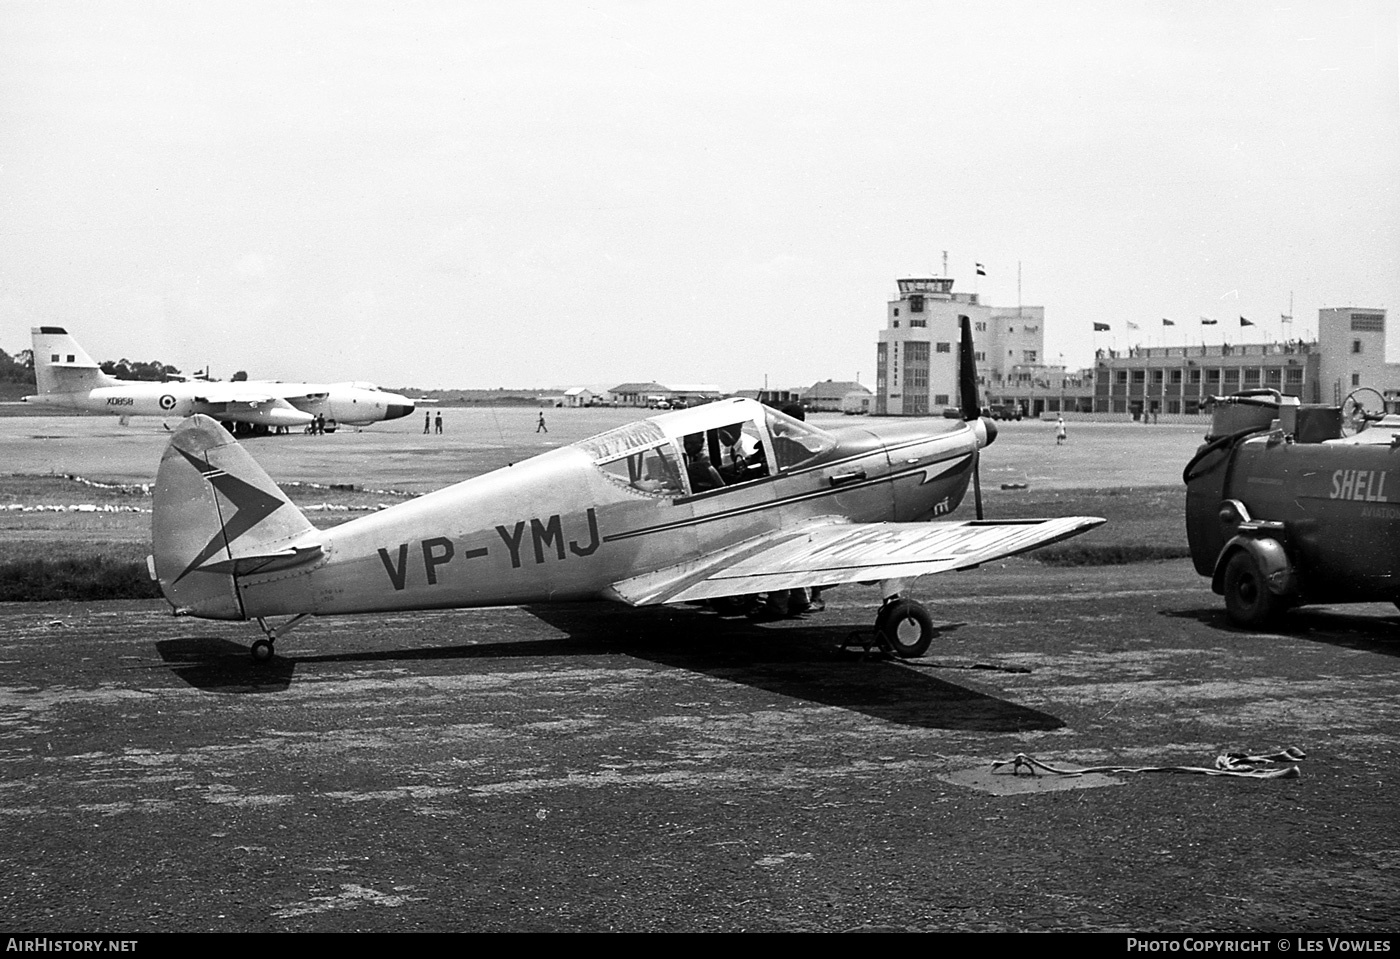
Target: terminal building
1349,353
916,362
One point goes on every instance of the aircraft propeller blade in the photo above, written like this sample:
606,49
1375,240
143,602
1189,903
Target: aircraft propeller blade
967,373
977,482
971,403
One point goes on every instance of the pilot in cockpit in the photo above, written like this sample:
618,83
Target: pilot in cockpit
702,473
741,455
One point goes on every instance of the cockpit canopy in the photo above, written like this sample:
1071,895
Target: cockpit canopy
708,448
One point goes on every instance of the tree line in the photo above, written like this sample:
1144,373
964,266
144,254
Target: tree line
20,369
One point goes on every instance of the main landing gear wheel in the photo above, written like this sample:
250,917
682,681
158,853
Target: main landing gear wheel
1248,599
262,651
906,626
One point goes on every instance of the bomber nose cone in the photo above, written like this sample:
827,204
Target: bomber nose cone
396,410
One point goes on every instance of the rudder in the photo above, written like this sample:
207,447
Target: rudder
217,515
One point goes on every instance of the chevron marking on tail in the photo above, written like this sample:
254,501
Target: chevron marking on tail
251,507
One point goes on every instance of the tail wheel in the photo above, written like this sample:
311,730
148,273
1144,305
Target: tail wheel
906,626
1248,599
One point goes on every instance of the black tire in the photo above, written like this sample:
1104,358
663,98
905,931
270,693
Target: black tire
906,626
262,651
1248,599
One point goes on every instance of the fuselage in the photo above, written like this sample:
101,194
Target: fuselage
130,398
268,403
352,404
572,522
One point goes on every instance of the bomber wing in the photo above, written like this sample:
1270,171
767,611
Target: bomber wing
250,402
297,394
830,552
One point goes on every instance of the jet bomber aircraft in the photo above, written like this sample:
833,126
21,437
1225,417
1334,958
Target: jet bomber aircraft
722,500
68,378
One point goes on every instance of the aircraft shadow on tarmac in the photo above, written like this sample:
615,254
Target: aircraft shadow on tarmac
800,658
1375,634
797,658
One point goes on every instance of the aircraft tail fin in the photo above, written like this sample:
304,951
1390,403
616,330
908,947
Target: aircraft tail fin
61,365
216,516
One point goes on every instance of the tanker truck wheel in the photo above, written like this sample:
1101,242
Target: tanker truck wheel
1248,599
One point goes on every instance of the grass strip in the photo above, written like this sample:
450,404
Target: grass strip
75,578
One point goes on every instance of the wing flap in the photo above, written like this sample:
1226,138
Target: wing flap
834,553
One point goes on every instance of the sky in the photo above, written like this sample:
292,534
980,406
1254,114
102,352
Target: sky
547,194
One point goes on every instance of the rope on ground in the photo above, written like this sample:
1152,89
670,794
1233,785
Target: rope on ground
1238,765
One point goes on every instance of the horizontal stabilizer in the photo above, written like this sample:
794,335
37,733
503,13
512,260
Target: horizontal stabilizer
245,564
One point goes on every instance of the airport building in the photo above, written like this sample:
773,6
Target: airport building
1349,353
654,395
916,358
916,362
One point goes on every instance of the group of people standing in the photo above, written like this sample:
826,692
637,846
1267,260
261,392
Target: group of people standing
433,424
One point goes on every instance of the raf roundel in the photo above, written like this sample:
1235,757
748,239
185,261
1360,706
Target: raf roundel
167,402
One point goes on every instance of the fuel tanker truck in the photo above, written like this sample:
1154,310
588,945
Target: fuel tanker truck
1289,503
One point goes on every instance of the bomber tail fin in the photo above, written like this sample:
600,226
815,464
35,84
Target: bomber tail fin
61,365
217,516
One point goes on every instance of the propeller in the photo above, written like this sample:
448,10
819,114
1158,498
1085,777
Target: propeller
972,406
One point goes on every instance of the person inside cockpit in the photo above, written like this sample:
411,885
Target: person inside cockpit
741,455
702,473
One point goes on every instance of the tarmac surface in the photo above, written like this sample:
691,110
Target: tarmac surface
593,767
398,455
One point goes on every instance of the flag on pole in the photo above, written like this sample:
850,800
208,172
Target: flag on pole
1132,326
1167,322
981,270
1244,322
1100,327
1207,321
1285,318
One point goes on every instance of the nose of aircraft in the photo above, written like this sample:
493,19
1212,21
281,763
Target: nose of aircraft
395,410
990,427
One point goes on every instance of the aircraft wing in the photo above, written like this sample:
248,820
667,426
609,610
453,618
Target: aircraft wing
829,553
251,392
224,393
294,393
247,403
